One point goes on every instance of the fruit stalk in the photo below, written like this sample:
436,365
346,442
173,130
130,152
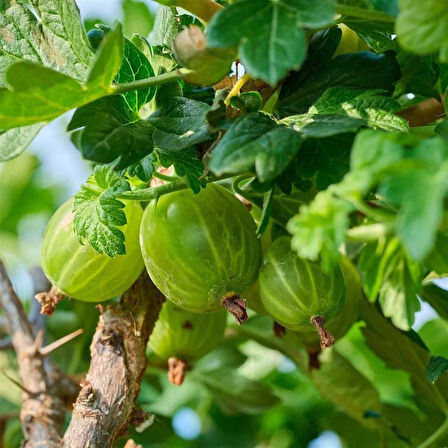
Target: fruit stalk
176,371
49,300
326,338
149,82
236,306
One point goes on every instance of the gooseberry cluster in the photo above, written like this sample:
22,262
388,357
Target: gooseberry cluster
203,253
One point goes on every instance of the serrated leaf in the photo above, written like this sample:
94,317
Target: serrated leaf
325,160
180,123
14,141
144,168
319,228
110,129
362,70
135,66
323,125
107,131
268,33
437,366
38,94
186,164
255,141
97,214
49,33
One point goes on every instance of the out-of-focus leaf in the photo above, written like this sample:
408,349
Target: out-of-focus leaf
437,366
235,392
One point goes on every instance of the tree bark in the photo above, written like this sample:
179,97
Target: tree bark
43,409
105,405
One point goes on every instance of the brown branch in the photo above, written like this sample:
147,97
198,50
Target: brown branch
43,412
105,405
423,113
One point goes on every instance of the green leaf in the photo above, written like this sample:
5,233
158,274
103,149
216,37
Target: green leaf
14,141
419,192
344,386
268,202
373,262
144,168
180,123
137,18
268,33
419,74
38,94
111,128
340,110
319,228
247,102
97,214
436,297
398,293
387,271
326,160
422,28
46,32
323,125
259,328
255,140
135,66
354,70
435,333
402,351
236,393
186,164
437,366
107,131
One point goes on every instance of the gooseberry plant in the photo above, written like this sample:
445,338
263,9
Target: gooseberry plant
326,117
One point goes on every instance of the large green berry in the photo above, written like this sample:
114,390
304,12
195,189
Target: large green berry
185,335
298,293
201,250
342,323
181,337
77,270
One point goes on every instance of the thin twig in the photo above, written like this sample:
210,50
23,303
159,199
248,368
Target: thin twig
43,412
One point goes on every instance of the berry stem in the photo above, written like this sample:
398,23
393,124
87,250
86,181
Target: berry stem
176,370
326,338
278,329
236,306
149,82
148,194
49,300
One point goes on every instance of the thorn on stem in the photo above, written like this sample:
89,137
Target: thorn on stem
176,371
45,351
49,300
236,306
326,338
